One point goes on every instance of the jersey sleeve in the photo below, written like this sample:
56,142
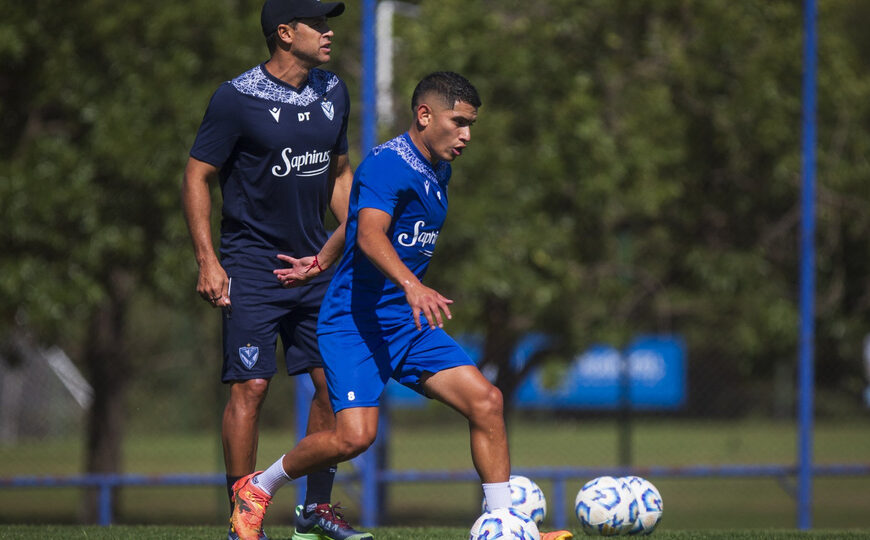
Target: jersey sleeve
220,128
341,145
379,184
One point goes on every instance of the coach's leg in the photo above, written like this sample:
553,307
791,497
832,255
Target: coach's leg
465,389
240,427
320,418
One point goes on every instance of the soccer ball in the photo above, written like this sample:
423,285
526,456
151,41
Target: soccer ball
649,504
504,524
526,497
606,506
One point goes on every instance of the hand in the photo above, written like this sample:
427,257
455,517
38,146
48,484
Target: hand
298,272
213,285
428,302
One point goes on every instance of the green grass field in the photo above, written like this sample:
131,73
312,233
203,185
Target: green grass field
691,504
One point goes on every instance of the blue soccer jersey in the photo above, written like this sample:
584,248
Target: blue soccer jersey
397,179
273,144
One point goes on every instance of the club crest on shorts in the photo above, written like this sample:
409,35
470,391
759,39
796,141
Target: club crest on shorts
249,355
328,109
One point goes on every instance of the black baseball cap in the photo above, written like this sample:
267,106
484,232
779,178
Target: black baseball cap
277,12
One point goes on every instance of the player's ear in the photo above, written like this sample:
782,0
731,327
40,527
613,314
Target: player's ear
285,34
423,115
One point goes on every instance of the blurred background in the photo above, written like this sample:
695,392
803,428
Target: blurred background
635,173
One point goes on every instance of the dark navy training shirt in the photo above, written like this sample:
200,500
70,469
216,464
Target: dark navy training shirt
397,179
273,144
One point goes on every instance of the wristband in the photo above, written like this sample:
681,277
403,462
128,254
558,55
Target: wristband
315,263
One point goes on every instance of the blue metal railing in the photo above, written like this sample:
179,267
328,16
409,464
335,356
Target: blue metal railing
107,484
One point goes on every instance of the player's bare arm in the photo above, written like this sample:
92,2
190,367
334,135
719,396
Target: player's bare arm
303,269
212,283
375,244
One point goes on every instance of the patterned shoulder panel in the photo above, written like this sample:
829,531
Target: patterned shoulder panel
400,146
255,83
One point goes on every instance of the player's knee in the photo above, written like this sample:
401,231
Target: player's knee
495,401
355,443
250,393
489,404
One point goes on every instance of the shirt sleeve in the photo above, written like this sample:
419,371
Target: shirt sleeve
379,184
219,130
341,145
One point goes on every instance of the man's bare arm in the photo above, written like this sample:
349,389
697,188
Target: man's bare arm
301,270
212,283
372,240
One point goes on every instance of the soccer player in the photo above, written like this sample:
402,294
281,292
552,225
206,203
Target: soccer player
276,139
379,320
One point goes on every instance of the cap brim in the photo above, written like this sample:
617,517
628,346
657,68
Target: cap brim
275,15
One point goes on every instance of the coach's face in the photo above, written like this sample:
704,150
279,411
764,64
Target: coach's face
311,40
445,130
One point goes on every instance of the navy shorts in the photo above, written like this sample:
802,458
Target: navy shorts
261,311
358,365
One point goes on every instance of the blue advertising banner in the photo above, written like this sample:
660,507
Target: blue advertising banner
656,376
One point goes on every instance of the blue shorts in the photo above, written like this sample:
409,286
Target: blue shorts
358,365
261,310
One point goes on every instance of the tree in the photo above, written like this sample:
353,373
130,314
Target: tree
636,169
100,102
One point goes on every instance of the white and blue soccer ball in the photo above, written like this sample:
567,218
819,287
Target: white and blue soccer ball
606,506
649,504
526,497
504,524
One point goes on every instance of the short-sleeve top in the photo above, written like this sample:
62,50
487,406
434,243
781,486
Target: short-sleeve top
273,144
397,179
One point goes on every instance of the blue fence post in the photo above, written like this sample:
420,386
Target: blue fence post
368,464
559,517
807,274
304,394
369,79
104,503
368,460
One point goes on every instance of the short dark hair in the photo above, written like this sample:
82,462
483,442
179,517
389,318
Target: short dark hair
272,41
450,86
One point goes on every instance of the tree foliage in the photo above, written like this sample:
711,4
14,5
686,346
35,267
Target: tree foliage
99,104
636,168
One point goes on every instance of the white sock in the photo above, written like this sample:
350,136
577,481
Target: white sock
272,478
498,495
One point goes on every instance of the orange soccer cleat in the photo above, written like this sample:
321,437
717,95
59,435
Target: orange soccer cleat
556,535
250,508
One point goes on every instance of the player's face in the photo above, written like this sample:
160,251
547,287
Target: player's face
312,41
448,131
